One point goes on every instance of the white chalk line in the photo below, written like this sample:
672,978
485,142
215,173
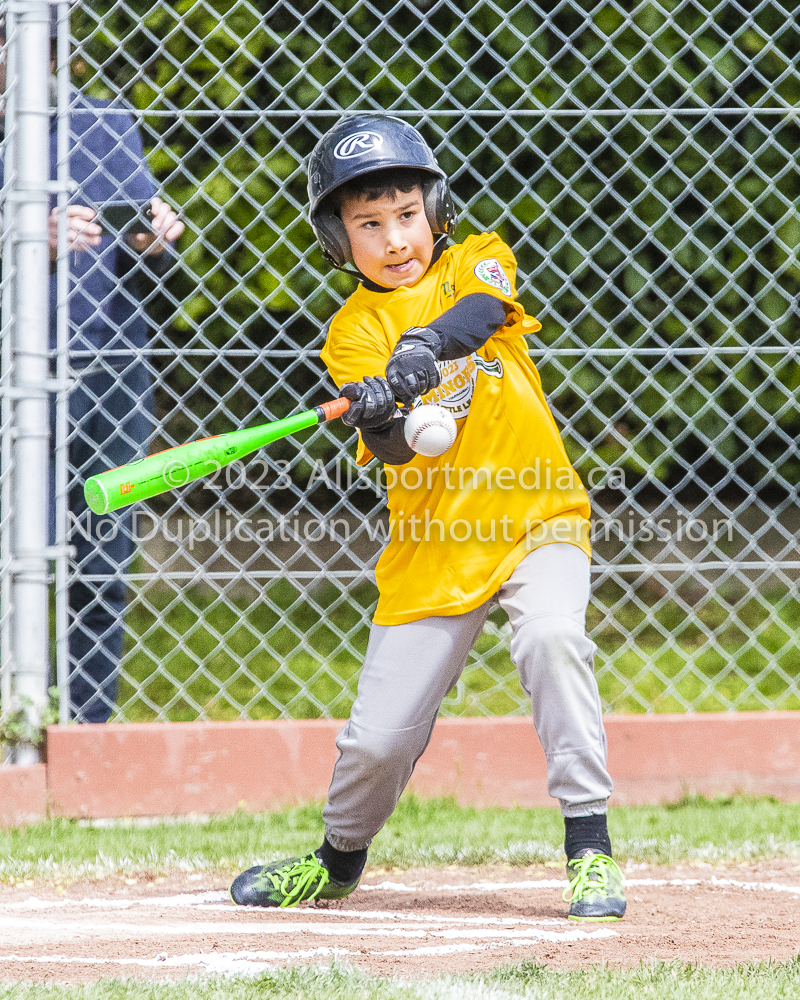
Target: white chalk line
255,961
82,928
547,883
714,882
456,934
219,901
34,905
209,901
204,899
220,964
462,934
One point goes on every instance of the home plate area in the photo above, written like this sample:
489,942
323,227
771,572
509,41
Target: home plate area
417,922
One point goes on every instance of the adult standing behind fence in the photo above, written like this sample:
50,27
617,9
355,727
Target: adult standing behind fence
110,403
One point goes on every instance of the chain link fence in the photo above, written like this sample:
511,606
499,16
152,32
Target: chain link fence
641,160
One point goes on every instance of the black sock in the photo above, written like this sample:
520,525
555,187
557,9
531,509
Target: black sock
344,866
586,833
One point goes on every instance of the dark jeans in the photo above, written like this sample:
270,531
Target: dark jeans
109,424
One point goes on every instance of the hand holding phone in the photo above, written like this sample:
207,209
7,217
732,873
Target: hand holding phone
147,228
83,232
116,218
166,227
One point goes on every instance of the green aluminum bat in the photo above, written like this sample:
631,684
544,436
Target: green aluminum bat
175,467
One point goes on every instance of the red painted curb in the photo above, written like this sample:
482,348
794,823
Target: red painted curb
160,769
23,794
652,758
658,758
152,769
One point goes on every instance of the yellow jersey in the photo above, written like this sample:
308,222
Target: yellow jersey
460,523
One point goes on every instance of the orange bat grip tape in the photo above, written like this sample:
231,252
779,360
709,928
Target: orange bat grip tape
335,408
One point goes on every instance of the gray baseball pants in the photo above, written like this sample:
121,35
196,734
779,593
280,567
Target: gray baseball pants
410,668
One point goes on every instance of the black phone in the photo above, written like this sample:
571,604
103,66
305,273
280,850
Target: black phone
123,217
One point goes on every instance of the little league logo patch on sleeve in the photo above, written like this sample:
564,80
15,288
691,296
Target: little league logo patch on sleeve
491,272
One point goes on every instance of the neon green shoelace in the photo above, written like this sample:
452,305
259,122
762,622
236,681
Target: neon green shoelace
595,864
293,880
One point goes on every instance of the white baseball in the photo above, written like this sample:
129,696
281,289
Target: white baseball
430,430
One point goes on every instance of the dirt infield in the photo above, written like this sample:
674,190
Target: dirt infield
412,924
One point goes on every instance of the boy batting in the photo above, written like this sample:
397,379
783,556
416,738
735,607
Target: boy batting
501,516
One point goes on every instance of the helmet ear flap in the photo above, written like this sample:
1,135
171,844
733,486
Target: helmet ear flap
439,209
333,238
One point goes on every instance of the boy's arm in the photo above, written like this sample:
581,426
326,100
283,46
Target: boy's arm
468,324
357,349
374,412
389,443
460,330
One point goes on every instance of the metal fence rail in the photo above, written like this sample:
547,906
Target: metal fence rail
642,161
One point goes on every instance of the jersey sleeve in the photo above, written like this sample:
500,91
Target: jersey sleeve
352,350
487,264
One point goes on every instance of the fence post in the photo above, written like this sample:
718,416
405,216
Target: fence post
61,398
30,667
7,207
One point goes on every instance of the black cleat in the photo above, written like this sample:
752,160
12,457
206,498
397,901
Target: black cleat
595,888
287,883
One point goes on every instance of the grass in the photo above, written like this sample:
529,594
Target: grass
656,981
286,653
421,832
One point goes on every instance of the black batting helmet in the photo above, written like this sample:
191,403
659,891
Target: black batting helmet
361,145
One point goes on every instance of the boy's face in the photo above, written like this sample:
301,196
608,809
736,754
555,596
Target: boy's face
391,240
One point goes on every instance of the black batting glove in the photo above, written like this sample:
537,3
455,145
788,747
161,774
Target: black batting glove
411,370
373,404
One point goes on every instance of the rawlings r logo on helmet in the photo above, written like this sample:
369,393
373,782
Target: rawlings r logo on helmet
358,144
